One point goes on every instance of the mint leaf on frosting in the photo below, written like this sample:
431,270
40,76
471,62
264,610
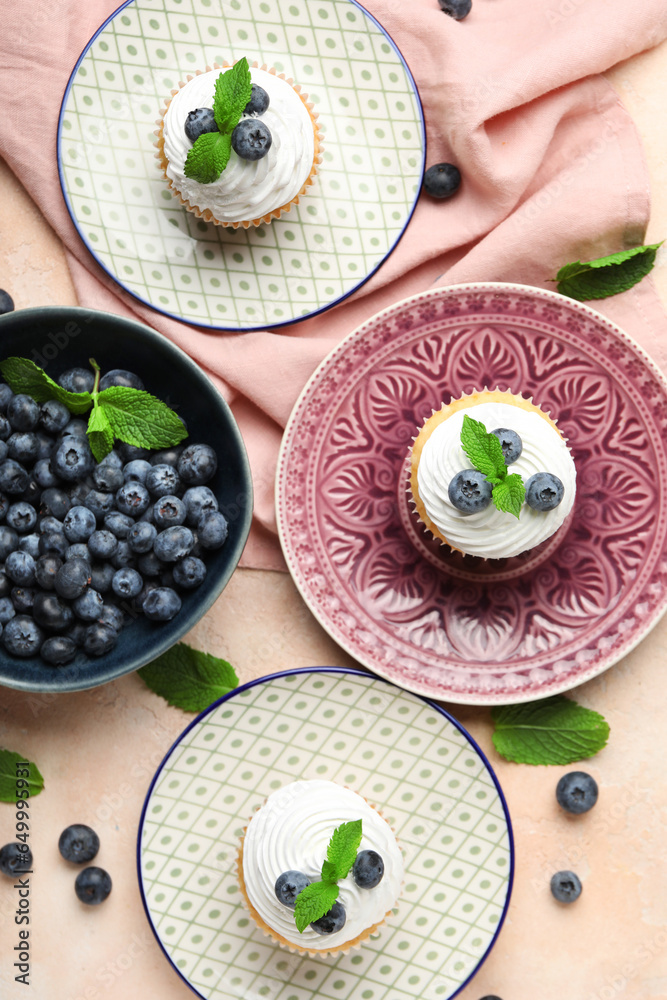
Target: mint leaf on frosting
233,90
605,276
509,494
9,774
554,730
189,679
343,847
313,902
208,157
483,449
25,377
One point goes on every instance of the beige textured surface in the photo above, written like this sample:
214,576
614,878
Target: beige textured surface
99,749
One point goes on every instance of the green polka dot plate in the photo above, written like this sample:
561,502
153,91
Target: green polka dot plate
406,756
310,259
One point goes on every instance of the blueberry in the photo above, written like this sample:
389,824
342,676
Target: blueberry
163,480
5,504
544,491
442,180
197,464
77,633
14,859
9,541
77,380
251,139
23,446
92,885
43,474
100,503
168,456
3,451
127,583
22,636
199,122
132,498
78,494
101,575
58,650
469,491
23,413
149,564
54,502
332,921
136,471
189,573
53,543
288,886
88,606
198,500
51,526
6,396
99,639
102,544
6,302
212,530
259,101
130,452
174,543
53,416
368,869
565,886
76,427
22,517
124,556
141,536
119,376
5,584
79,524
577,792
168,511
7,610
118,524
72,459
23,599
78,843
112,616
20,568
30,544
5,428
14,478
51,612
458,9
79,550
46,570
72,579
107,478
161,604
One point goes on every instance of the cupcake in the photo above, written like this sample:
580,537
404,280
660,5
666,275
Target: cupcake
275,144
490,501
295,843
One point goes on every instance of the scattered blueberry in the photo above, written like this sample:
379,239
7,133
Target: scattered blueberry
14,859
259,101
78,843
288,886
332,921
510,442
199,122
469,491
6,302
442,180
458,9
565,886
92,885
251,139
544,491
368,869
577,792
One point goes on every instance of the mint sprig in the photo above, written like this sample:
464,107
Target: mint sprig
131,415
210,153
554,730
317,898
486,455
9,776
605,276
188,678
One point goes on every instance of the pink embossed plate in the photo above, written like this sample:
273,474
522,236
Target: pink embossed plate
455,627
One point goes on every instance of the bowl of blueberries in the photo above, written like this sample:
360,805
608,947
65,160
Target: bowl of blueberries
109,551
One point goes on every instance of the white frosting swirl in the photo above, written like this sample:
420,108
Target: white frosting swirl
291,832
492,533
246,189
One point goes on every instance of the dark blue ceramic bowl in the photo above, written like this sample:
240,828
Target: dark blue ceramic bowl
61,337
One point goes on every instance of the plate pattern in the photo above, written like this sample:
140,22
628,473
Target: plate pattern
458,627
315,255
407,758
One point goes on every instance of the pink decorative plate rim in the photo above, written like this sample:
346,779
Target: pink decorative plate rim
341,528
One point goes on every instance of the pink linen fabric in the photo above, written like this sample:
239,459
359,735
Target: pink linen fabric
552,171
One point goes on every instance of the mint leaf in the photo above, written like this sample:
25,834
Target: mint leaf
509,494
189,679
483,449
343,847
313,902
233,90
598,279
9,776
24,376
329,872
100,435
139,418
208,157
555,730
